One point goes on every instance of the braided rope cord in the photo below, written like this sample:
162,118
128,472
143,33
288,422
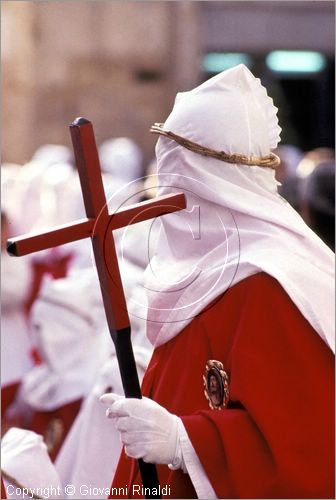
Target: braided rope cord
270,161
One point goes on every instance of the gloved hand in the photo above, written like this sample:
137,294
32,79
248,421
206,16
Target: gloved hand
146,429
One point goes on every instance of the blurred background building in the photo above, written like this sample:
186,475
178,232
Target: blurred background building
120,64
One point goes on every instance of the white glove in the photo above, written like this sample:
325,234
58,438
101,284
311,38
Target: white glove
147,430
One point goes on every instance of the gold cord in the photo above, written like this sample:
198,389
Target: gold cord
270,161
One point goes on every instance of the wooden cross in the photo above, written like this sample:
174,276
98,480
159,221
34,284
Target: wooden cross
98,226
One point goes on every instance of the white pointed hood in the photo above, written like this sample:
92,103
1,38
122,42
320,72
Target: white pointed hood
236,224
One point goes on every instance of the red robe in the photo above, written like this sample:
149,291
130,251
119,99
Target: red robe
276,437
3,490
54,425
54,265
8,393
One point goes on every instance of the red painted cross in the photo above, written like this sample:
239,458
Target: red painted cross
99,226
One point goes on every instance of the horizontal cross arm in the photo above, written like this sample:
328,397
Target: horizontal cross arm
149,209
24,245
84,228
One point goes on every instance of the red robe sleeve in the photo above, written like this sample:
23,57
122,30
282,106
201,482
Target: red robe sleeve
3,490
277,438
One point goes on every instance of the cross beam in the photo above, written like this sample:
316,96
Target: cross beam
99,225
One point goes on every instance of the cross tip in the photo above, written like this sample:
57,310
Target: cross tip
79,122
11,248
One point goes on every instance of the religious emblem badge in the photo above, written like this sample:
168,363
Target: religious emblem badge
54,434
216,385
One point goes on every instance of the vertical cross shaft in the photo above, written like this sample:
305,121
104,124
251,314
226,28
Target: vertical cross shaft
102,238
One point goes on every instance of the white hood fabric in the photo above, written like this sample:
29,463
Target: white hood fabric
16,277
53,154
68,321
25,464
236,224
121,163
93,439
121,158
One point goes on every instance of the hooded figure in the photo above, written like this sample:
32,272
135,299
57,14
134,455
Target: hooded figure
67,320
121,164
290,157
39,183
318,201
240,394
84,458
16,345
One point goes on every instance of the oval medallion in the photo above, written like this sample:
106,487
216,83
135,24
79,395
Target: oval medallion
216,385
